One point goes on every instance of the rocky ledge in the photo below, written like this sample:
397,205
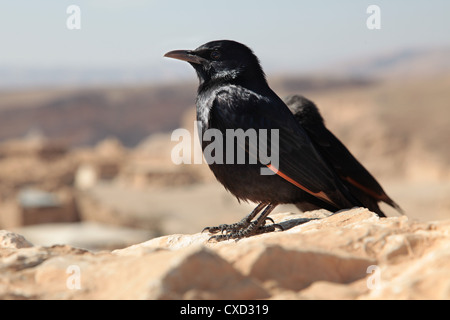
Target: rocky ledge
350,255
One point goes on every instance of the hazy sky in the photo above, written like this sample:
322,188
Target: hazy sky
286,35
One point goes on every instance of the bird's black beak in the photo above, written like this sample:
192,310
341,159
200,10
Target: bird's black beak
185,55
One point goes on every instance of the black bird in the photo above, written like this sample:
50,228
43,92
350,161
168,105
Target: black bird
359,181
233,94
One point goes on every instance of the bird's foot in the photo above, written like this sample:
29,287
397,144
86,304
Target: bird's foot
228,228
234,227
246,227
243,232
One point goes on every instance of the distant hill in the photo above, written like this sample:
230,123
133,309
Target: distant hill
397,64
80,117
39,77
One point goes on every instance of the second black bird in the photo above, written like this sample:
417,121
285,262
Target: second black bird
233,94
358,180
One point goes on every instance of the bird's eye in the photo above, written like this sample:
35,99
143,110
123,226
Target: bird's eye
215,55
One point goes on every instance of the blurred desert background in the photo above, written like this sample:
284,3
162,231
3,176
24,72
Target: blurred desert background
92,166
85,148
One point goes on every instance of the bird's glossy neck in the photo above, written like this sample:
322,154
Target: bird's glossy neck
254,81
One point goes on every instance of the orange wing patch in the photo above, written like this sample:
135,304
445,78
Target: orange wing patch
365,189
320,195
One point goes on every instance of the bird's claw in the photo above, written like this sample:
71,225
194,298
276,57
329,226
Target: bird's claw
269,218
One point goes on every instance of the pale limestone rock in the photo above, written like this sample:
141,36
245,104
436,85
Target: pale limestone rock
11,240
349,255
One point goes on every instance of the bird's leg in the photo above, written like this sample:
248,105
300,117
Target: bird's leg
244,223
255,227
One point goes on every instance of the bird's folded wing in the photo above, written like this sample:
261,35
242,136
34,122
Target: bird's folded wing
299,161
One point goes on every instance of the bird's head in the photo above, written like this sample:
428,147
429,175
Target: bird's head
304,110
222,61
